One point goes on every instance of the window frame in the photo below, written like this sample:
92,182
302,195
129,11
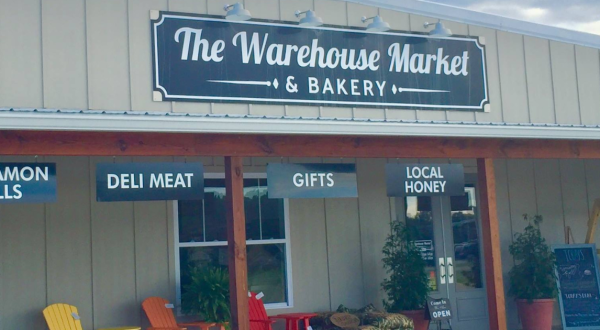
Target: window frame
286,241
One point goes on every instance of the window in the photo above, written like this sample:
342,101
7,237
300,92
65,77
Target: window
201,238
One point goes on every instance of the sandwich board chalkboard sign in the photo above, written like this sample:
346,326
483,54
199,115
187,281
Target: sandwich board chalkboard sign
438,309
578,283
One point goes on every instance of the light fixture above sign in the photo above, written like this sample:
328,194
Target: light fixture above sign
378,24
439,30
310,19
236,12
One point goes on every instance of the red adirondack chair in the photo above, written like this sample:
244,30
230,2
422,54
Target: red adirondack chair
258,315
260,321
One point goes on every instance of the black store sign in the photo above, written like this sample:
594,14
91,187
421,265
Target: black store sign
425,179
200,58
311,180
27,182
149,181
579,295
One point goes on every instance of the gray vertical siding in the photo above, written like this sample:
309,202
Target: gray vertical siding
113,259
538,73
97,55
68,238
21,53
107,55
565,82
64,54
23,241
374,211
588,68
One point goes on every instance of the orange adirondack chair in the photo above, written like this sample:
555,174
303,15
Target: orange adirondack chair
160,315
258,315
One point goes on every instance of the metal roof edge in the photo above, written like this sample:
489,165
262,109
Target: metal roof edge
462,15
109,122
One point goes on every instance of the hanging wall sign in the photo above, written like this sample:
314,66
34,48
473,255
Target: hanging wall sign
149,181
27,182
577,277
425,179
201,58
311,180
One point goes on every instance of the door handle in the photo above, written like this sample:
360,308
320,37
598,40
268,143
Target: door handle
450,270
442,271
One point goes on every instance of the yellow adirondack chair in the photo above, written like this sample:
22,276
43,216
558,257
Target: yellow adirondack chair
65,317
62,317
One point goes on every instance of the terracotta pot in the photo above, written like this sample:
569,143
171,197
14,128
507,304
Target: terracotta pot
418,317
537,315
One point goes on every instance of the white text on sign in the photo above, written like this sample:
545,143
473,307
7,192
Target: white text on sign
160,180
427,185
23,174
313,179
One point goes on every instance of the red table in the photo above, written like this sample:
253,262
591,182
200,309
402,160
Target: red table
292,320
201,325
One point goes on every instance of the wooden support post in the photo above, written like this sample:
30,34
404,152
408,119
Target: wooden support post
236,239
491,243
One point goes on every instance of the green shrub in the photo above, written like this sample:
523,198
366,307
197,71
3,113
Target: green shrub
532,276
207,294
407,285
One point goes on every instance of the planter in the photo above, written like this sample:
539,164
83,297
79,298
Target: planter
537,315
418,317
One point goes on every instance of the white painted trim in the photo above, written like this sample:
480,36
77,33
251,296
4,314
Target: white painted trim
461,15
177,264
240,125
286,241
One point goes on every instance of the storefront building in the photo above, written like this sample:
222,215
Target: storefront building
80,86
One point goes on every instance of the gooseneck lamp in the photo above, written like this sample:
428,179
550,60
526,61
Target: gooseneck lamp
439,30
309,19
236,12
377,25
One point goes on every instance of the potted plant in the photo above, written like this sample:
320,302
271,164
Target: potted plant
532,279
407,285
207,294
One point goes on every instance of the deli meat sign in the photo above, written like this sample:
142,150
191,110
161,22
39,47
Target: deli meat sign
200,58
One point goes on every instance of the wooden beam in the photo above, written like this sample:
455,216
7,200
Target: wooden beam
172,144
593,222
236,240
491,243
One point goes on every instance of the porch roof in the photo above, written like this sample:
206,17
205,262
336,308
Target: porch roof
169,122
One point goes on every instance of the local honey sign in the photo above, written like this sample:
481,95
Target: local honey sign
425,179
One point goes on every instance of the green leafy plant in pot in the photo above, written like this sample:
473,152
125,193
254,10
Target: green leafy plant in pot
407,285
533,279
207,294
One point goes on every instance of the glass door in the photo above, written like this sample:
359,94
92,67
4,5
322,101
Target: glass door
448,234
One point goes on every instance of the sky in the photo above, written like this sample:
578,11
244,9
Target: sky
580,15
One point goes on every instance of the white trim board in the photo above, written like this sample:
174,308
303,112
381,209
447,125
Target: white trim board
461,15
110,122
